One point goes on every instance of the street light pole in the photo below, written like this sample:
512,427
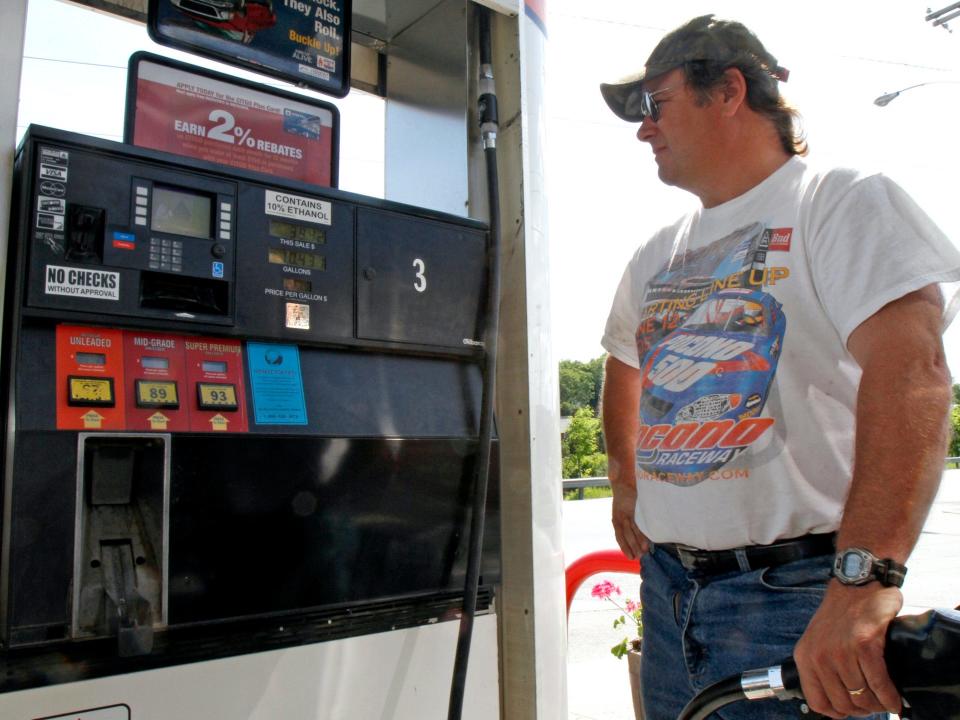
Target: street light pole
884,100
944,15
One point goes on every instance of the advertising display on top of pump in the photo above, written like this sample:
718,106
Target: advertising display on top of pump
199,113
306,42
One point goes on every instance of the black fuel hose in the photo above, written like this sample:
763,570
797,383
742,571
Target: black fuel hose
779,681
487,106
712,698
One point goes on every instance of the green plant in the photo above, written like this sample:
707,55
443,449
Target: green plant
630,615
581,447
954,449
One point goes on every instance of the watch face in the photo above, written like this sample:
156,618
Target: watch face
852,565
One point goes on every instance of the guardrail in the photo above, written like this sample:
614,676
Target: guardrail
578,484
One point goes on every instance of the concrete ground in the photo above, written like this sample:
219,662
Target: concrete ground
597,683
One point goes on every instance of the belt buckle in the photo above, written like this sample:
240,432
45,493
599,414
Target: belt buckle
688,558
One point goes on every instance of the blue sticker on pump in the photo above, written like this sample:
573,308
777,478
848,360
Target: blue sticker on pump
217,270
276,384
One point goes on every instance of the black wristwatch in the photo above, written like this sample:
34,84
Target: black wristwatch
856,566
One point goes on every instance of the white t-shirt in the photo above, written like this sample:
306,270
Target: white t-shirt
738,317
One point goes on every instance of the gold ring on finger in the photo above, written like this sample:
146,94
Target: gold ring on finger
858,691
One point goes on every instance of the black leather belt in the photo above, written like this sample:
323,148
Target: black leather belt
714,562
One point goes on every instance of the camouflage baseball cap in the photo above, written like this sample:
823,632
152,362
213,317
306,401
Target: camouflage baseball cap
703,38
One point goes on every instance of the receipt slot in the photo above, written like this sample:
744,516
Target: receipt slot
243,413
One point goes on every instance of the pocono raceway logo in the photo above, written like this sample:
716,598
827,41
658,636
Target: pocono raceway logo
714,442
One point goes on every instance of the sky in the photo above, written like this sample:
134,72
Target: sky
604,197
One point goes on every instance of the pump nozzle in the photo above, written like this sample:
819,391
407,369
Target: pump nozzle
922,655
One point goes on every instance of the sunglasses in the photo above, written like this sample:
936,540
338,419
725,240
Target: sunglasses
640,104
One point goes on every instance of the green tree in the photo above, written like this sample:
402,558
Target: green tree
956,393
576,387
581,447
580,384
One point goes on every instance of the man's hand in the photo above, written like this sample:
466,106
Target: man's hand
621,404
842,652
632,542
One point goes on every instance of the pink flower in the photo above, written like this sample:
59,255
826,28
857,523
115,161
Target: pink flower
604,590
629,615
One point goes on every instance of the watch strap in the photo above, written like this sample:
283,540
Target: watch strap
889,572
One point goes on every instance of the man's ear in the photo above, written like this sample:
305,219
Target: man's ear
733,92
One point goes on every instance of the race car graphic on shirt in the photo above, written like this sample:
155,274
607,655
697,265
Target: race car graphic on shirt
734,261
705,384
709,342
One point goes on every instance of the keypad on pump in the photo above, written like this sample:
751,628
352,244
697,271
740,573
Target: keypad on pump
166,254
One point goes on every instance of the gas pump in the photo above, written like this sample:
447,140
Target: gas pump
244,413
285,573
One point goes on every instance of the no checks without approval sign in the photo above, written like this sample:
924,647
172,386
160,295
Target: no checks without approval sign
82,283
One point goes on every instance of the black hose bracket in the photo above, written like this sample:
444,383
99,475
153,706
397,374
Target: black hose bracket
487,108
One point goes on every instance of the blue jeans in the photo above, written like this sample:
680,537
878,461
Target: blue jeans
700,629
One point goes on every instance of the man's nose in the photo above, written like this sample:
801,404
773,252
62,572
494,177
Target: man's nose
646,129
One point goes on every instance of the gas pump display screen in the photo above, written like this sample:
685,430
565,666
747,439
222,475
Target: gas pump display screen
181,213
297,258
299,233
157,394
214,366
297,285
90,391
216,396
155,363
91,358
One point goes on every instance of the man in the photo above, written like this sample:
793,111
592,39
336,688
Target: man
776,391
